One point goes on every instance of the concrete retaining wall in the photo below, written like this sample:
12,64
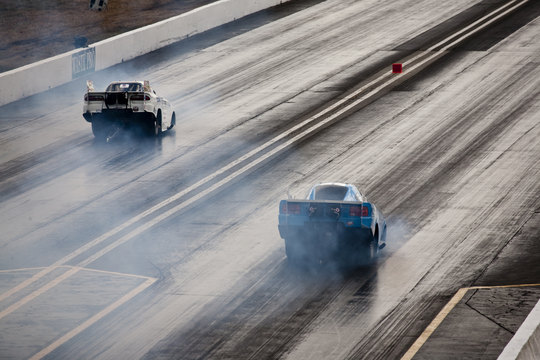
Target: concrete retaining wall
43,75
525,344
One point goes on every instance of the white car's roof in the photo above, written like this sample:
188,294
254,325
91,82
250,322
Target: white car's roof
333,184
128,81
350,194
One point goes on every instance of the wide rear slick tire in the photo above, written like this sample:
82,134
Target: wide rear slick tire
372,248
101,130
372,251
363,253
154,127
293,256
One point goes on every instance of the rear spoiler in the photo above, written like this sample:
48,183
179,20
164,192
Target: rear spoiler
89,85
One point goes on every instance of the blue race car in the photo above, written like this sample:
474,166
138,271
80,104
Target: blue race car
334,223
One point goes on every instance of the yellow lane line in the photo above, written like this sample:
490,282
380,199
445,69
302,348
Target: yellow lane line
502,286
434,324
445,311
93,319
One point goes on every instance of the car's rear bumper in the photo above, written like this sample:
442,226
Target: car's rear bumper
325,240
120,116
313,230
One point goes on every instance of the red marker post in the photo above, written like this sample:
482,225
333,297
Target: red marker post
397,68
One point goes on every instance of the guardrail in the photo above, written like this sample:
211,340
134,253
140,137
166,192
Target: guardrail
46,74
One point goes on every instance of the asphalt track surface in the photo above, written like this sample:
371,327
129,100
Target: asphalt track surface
450,156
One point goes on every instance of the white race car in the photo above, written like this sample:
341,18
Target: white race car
126,104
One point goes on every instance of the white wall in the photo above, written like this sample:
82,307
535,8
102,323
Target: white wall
43,75
525,344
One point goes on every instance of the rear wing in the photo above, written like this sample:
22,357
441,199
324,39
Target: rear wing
89,86
315,207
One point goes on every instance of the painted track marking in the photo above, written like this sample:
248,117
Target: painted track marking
93,319
430,329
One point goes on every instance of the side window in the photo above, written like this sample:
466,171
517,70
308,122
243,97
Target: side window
358,194
351,195
311,195
135,87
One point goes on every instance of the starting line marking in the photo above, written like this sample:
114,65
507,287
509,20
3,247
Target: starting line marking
78,268
430,329
93,319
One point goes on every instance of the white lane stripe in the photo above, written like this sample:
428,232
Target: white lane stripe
249,166
22,269
72,270
487,23
93,319
470,26
38,292
113,273
71,267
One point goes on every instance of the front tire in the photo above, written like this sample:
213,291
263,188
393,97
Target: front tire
173,121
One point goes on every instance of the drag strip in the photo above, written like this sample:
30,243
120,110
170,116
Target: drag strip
352,102
170,248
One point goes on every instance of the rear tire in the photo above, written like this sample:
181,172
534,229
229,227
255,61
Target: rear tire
155,126
293,256
364,253
372,250
101,130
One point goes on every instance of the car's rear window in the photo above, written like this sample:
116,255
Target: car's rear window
330,192
125,87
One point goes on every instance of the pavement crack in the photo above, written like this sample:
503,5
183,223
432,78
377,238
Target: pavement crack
487,317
